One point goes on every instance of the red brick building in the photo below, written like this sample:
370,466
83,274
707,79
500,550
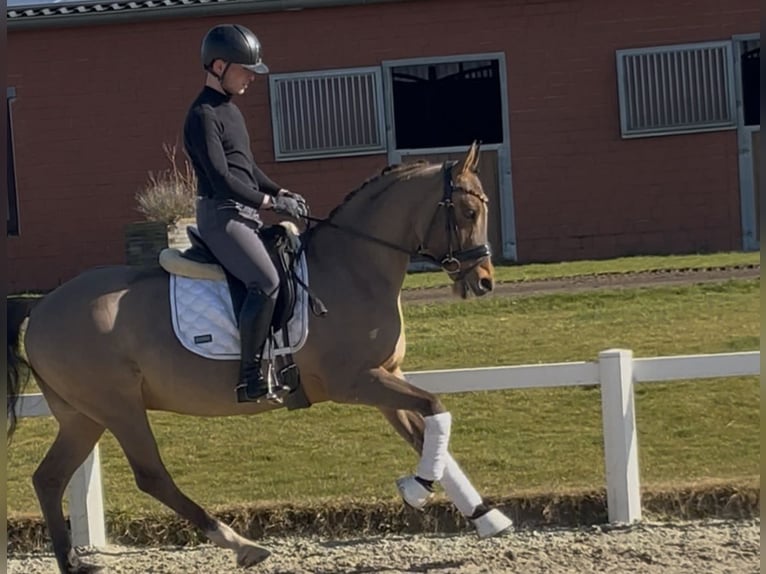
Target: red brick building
610,127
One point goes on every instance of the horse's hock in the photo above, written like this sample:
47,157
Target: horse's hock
144,240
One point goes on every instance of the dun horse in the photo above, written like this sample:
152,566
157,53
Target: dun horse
103,349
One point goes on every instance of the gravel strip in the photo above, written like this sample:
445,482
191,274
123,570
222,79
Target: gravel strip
582,283
709,547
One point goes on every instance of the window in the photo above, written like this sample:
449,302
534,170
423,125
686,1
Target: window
751,82
676,89
13,214
328,113
447,104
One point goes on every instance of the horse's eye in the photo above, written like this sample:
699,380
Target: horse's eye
470,214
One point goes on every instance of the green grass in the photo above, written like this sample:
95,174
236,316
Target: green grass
540,440
535,271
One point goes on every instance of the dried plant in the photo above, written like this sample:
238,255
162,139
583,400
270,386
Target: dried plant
171,193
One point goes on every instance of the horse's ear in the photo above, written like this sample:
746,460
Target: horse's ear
471,161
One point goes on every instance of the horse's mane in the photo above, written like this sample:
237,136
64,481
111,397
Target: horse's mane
397,169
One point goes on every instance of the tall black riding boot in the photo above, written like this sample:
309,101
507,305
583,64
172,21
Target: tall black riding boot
254,323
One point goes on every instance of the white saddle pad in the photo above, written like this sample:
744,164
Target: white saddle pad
204,322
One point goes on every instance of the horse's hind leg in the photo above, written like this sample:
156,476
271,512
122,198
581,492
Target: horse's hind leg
132,431
76,438
488,521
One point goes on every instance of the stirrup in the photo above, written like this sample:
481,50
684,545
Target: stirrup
243,396
270,394
271,391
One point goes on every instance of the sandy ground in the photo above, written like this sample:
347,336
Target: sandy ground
709,547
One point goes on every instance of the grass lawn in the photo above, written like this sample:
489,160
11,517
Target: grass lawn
542,440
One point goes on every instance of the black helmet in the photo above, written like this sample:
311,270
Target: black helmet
233,44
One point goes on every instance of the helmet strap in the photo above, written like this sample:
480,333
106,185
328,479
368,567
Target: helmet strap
220,78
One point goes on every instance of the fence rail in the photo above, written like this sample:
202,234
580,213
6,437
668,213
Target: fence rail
616,371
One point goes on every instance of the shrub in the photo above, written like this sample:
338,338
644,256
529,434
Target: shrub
171,193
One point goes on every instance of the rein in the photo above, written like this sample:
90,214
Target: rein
359,234
450,261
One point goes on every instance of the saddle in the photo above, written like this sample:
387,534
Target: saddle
197,266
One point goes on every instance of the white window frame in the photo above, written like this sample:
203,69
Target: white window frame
747,190
509,248
13,226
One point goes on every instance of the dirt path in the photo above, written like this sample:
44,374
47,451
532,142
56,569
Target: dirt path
712,547
590,282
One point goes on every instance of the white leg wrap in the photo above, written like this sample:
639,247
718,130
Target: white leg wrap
465,497
435,444
458,488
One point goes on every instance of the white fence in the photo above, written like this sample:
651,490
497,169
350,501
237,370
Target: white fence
615,371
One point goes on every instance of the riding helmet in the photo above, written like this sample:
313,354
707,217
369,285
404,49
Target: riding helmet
234,44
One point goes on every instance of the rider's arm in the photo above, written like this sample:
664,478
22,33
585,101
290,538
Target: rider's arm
264,182
209,152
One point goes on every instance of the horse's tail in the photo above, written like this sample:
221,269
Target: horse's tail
19,309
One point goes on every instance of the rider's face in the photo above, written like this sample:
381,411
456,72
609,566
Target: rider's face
237,79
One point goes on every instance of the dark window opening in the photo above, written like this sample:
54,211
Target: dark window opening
751,86
13,212
447,104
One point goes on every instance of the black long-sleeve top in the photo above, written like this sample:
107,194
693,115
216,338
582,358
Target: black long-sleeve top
218,145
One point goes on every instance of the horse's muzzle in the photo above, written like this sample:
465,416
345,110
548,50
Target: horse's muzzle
479,280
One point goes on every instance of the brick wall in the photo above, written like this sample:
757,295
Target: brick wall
95,104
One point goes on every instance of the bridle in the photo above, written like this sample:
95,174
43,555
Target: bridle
453,259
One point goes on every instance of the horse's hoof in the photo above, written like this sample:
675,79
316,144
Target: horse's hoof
76,566
251,555
83,568
492,523
413,492
86,568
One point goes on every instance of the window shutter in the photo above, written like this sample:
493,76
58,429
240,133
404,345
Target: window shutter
676,89
330,113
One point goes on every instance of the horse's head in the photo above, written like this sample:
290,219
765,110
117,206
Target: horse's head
457,236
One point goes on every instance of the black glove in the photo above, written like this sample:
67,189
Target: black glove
289,206
296,196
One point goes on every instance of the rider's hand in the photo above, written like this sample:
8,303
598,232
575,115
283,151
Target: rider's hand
296,196
289,206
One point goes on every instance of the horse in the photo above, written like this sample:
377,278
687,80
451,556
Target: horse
103,351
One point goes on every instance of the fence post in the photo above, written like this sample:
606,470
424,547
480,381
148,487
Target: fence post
620,440
86,503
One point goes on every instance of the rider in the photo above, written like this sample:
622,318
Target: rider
232,189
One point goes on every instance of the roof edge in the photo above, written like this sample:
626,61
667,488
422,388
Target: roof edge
143,13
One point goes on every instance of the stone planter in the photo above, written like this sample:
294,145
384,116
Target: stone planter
145,239
178,236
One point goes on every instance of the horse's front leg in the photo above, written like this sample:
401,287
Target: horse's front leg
488,521
384,390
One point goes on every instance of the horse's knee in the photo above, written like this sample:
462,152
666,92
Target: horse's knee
429,405
436,406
